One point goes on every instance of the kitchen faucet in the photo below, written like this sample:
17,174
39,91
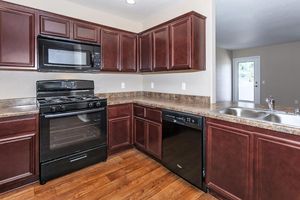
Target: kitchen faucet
271,102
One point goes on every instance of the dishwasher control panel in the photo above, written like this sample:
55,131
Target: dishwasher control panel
183,118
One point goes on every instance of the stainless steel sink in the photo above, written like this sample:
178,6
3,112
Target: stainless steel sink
287,119
268,116
242,112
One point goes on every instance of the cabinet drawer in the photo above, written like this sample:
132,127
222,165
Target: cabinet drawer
139,111
153,114
10,126
119,111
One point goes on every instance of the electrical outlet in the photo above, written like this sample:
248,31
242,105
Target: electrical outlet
123,86
152,85
183,85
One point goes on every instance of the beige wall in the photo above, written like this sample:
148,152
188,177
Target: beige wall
223,75
197,83
280,71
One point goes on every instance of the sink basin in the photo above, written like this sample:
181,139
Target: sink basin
242,112
268,116
287,119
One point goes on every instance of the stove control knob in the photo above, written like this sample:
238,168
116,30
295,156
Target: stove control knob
53,109
98,104
90,105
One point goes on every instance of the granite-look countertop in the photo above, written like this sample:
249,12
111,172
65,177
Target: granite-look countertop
27,106
18,107
209,110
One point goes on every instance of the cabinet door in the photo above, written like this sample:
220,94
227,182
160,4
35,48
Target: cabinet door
110,41
229,162
140,133
18,152
85,32
17,41
128,52
277,168
180,32
161,54
145,52
55,26
154,139
119,133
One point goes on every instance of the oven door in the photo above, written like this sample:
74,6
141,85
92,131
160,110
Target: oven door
66,133
57,55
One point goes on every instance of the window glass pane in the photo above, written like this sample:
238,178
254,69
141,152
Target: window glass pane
56,56
246,81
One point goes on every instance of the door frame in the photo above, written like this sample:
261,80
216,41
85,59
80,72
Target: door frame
257,75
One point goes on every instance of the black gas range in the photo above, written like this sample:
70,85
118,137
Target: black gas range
73,127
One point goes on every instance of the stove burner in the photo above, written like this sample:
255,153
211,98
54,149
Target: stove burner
66,99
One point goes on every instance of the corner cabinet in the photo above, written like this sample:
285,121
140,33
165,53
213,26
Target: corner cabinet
148,130
145,52
245,162
17,41
178,44
19,147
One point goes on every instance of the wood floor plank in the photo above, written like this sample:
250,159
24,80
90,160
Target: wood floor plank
127,175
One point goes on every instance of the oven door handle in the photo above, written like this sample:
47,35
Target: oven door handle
73,113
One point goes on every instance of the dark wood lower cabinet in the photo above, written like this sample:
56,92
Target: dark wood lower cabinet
148,130
140,133
119,127
277,168
154,139
245,162
19,147
229,162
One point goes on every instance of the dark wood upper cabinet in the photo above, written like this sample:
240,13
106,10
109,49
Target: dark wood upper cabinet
110,44
229,162
181,43
128,57
161,55
19,144
17,41
85,32
188,43
277,171
55,25
178,44
145,52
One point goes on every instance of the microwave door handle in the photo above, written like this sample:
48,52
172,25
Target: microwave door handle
73,113
92,60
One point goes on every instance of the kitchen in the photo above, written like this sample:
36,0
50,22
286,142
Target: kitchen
112,100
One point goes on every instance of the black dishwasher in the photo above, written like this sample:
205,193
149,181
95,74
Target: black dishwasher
183,146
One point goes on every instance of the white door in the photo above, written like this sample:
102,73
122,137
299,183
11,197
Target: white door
246,79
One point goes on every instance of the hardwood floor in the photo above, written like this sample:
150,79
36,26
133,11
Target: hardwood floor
128,175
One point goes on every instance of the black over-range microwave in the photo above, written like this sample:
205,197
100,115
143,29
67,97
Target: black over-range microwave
67,56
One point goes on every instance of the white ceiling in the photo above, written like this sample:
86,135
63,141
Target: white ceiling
136,12
252,23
